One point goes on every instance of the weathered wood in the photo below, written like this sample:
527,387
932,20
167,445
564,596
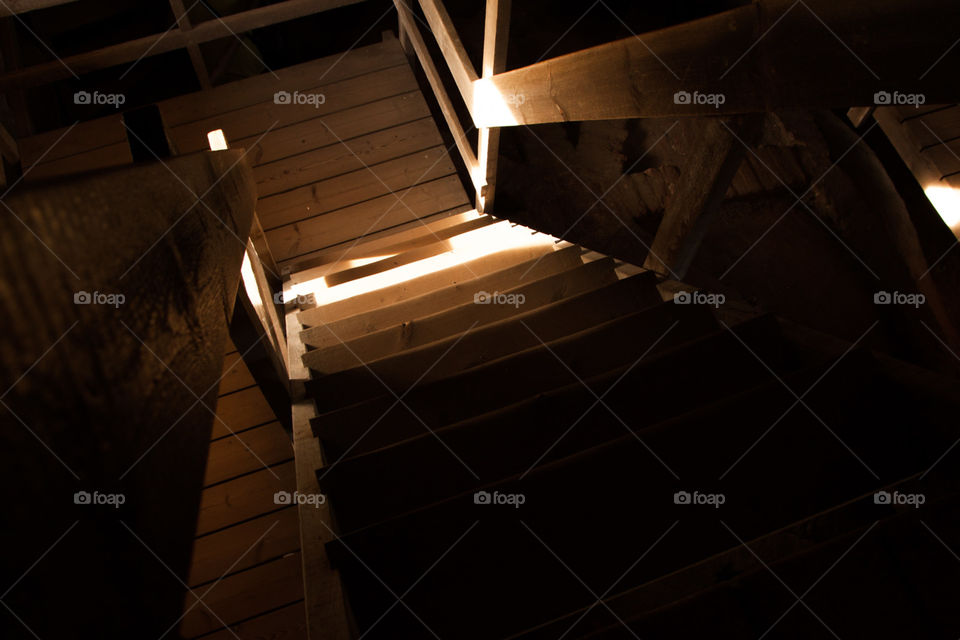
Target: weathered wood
249,451
9,150
171,40
327,613
180,13
240,411
707,176
293,242
215,554
152,361
433,300
243,498
495,37
409,27
13,7
454,53
243,595
288,623
415,333
389,241
726,54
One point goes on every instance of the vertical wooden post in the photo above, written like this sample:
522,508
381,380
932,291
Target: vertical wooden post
196,57
496,31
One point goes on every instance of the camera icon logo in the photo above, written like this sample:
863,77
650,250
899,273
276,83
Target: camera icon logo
282,97
82,297
82,497
682,97
882,497
882,297
482,297
82,97
282,497
882,97
482,497
681,497
278,297
682,297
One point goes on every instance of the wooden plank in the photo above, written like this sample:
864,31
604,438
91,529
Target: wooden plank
68,141
288,623
409,26
638,77
419,332
283,142
708,174
236,376
364,218
182,17
257,118
343,157
13,7
261,88
432,301
903,140
240,411
245,594
115,155
428,247
426,283
243,498
495,37
378,243
247,452
170,40
389,177
328,616
244,545
9,150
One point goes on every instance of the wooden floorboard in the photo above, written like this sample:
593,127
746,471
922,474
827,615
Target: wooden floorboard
244,498
285,623
247,452
239,411
235,374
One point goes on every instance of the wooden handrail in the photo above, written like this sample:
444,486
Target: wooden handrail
451,47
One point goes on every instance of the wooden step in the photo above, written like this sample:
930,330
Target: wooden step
541,368
437,245
723,568
896,579
384,483
426,298
416,333
419,286
597,511
525,330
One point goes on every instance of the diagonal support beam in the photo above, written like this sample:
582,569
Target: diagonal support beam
704,183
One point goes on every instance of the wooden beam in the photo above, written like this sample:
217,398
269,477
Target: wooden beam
710,168
730,54
452,49
196,56
168,41
496,32
408,24
13,7
9,150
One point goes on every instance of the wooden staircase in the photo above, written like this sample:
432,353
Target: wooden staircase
508,470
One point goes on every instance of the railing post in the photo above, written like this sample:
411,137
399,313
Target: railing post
496,31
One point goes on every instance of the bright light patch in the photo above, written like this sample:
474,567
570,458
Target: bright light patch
946,200
469,246
489,107
218,142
